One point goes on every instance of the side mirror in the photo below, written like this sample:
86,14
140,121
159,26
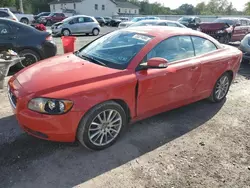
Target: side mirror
157,63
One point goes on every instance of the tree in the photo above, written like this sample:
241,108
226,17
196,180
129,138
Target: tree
200,8
186,9
7,3
247,8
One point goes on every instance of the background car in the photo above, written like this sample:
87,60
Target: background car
245,48
24,18
107,20
192,22
27,41
136,19
6,13
101,21
52,18
158,23
115,22
36,17
227,29
94,93
79,24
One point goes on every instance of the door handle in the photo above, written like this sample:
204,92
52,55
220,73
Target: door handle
194,68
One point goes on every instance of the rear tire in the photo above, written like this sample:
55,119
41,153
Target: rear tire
95,32
31,57
24,20
221,88
95,134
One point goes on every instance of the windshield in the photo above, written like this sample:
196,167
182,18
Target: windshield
228,21
115,49
137,19
143,24
68,19
186,19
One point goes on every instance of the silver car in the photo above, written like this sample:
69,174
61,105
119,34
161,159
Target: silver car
245,47
158,23
80,24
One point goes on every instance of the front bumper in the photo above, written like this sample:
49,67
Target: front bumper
60,128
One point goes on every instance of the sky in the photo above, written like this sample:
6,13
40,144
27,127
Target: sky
173,4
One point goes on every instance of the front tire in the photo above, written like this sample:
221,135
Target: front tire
102,125
221,88
66,32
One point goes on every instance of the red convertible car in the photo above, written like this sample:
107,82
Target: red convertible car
124,76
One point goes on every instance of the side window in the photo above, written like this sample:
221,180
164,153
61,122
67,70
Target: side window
62,15
202,46
173,49
162,24
243,22
81,20
4,29
172,24
88,19
4,14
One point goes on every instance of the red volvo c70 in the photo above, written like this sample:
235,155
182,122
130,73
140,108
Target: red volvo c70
124,76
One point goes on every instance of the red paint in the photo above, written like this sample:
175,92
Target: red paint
146,92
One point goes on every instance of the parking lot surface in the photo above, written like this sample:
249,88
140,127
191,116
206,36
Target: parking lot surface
199,145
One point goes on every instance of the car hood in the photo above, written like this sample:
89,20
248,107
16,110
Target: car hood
60,72
213,26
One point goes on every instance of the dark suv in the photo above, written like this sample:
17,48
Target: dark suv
192,22
101,21
227,30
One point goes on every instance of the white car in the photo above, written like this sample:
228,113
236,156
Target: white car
6,13
136,19
24,18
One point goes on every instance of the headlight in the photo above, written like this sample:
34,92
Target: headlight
59,26
50,106
220,31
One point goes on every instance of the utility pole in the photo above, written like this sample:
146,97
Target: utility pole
21,5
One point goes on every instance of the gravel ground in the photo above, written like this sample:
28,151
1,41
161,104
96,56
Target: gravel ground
199,145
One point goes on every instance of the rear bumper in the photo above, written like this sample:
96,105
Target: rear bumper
49,49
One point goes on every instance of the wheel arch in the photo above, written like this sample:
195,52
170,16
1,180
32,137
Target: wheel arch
33,49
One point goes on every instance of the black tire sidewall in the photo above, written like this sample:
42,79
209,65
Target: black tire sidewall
82,132
214,98
23,52
94,32
65,30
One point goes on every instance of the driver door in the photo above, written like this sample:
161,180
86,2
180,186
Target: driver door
171,87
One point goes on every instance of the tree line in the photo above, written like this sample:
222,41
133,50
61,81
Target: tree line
213,7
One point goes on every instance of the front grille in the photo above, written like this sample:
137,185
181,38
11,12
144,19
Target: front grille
12,98
212,33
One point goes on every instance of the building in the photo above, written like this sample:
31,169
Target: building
126,8
95,7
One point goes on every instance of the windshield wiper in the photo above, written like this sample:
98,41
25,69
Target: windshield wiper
92,59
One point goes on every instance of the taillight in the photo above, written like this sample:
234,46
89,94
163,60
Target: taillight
14,19
49,38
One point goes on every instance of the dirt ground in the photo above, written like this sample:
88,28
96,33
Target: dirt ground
199,145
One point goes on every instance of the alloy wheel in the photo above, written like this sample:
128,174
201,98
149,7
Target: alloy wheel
29,59
66,33
222,87
105,127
